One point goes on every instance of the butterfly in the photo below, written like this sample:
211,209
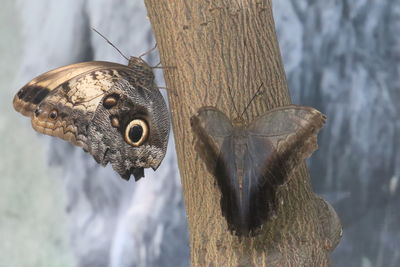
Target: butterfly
251,160
114,112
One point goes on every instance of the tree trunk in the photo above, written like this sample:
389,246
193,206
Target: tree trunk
216,45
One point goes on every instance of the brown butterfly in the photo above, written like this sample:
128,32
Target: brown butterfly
115,112
249,160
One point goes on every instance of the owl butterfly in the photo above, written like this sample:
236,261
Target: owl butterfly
251,160
115,112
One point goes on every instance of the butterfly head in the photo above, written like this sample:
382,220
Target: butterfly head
139,64
239,122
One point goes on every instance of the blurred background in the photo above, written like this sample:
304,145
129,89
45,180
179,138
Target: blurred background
59,208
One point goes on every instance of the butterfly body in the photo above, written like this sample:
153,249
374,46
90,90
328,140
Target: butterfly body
91,104
250,161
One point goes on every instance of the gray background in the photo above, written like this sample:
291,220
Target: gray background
59,208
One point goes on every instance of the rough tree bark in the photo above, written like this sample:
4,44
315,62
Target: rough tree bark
216,45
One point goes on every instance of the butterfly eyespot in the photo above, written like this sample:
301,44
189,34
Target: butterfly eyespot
114,122
137,132
37,112
53,114
110,101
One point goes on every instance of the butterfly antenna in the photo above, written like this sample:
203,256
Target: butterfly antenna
254,96
149,51
233,103
109,42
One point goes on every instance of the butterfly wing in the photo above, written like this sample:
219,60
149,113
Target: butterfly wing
250,163
277,142
63,103
221,147
211,127
292,131
74,92
111,126
29,96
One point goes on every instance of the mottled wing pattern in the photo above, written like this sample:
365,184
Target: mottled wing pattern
29,96
74,91
107,144
114,112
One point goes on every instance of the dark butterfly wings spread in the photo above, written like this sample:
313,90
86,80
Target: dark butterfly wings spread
249,163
